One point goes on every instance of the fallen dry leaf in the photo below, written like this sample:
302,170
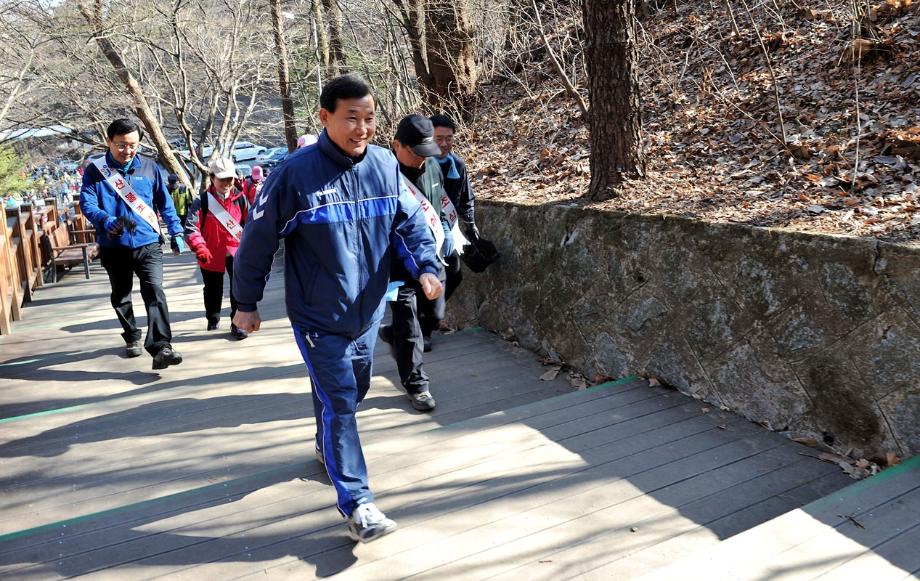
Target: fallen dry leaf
551,374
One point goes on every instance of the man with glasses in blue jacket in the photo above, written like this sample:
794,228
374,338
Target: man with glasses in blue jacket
343,212
121,195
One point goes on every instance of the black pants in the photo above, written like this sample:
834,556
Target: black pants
214,292
146,262
413,315
454,275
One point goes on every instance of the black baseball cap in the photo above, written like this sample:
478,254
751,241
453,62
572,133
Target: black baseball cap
417,133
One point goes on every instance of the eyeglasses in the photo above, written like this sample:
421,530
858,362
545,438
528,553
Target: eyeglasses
126,146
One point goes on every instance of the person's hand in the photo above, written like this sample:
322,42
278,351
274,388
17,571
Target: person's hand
472,233
249,322
431,286
204,254
112,226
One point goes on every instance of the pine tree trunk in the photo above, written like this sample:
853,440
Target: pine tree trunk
613,83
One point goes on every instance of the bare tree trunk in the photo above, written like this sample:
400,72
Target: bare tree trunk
337,64
440,36
613,80
141,107
451,60
284,82
320,28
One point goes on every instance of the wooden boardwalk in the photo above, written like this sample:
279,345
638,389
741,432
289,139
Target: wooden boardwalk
206,470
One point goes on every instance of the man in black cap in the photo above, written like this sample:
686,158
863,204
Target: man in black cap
415,316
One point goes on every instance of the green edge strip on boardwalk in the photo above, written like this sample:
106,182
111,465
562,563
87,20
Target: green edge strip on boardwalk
43,413
137,505
618,382
857,487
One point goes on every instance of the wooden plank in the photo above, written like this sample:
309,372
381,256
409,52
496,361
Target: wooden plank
398,479
454,461
842,543
894,559
744,551
460,500
661,519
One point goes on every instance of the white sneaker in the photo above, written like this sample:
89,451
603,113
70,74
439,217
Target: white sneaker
367,523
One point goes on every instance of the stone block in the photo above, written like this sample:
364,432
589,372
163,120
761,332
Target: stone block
840,406
752,380
886,354
901,410
808,326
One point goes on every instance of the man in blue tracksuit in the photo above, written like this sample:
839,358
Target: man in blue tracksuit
343,212
128,244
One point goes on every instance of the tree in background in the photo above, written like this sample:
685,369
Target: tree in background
12,180
615,117
440,34
284,77
96,19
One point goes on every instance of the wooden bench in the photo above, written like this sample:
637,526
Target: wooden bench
58,245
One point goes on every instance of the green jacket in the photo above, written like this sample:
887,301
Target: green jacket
430,182
182,199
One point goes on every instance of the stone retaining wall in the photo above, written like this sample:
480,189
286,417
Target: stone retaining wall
807,333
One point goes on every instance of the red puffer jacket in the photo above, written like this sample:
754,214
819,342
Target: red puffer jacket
204,230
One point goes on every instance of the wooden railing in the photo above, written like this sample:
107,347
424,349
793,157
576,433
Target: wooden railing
32,239
10,280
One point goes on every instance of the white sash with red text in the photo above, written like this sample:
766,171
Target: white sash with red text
223,216
452,219
431,216
128,196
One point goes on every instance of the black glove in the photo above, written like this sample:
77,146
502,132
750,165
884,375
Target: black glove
472,233
174,243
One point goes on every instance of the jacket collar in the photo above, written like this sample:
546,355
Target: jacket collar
132,165
332,151
232,196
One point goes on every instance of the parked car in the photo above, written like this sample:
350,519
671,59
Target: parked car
206,151
243,170
269,153
244,150
273,160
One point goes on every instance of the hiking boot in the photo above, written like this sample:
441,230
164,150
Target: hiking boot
133,349
423,402
426,340
166,357
386,335
367,523
237,333
213,326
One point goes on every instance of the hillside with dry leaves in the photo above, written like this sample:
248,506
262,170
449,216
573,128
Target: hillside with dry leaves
848,88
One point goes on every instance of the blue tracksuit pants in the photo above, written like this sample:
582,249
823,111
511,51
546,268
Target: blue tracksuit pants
340,370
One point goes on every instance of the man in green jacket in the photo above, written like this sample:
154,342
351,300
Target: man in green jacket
182,198
414,316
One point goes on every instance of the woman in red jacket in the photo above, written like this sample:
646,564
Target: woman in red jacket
213,231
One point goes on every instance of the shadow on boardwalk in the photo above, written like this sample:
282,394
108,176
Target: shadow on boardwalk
205,470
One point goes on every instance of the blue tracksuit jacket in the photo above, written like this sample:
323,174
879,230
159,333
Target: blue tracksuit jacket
99,201
341,221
